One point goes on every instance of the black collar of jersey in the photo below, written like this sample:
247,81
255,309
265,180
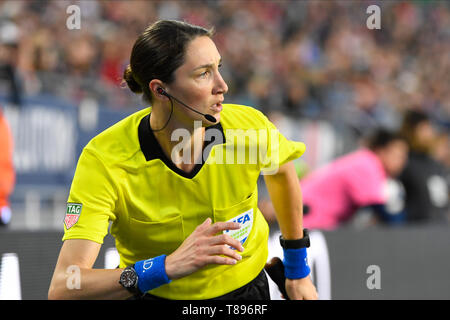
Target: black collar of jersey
152,150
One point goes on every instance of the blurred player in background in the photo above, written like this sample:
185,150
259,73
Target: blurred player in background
7,173
173,217
333,193
424,177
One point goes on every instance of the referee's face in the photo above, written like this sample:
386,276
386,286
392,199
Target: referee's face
198,81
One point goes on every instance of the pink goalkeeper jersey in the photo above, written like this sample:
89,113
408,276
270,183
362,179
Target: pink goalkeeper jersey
335,191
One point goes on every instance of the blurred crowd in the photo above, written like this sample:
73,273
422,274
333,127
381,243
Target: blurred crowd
307,58
310,59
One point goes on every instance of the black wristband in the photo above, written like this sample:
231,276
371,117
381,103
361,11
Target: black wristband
297,243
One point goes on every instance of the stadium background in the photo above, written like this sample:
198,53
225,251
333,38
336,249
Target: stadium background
313,67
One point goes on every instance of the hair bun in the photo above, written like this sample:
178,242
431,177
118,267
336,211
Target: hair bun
131,81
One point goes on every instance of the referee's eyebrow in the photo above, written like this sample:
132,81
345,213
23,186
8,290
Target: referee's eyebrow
209,65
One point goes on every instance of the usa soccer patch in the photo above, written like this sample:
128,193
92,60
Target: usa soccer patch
73,212
246,221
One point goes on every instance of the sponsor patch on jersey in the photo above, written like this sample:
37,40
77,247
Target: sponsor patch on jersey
246,221
73,212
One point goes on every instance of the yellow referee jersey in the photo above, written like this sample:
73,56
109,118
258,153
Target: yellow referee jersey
124,177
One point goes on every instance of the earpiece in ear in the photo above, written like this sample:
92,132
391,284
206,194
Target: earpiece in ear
161,91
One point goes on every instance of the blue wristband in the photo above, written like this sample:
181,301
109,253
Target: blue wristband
151,273
295,263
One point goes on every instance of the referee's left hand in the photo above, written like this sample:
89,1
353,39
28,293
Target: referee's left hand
301,289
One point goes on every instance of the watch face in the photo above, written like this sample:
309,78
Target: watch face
128,278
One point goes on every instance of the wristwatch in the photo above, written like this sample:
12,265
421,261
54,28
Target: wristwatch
297,243
129,280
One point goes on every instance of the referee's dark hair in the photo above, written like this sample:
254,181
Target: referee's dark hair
158,52
381,137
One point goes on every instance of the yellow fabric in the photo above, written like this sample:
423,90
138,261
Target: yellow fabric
153,209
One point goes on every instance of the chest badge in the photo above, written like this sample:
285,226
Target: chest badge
246,221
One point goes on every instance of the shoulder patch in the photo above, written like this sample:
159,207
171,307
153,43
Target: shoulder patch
73,212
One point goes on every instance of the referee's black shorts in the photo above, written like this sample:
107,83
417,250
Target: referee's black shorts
257,289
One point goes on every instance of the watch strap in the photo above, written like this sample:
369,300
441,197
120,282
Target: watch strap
297,243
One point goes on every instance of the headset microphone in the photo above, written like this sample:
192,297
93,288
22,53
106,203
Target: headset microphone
208,117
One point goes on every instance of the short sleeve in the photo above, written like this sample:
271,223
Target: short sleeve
91,201
277,150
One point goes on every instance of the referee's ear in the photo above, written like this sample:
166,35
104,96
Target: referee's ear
154,85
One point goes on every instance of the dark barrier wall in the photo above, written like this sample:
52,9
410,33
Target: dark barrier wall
38,252
414,263
391,263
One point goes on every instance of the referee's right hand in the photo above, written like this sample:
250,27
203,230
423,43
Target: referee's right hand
204,246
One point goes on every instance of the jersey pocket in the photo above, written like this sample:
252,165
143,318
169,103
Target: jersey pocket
151,239
243,213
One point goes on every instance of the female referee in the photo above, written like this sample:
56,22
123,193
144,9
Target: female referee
184,214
